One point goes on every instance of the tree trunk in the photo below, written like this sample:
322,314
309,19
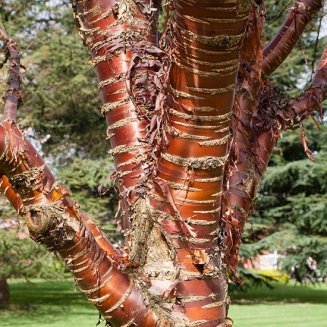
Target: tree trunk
168,109
4,292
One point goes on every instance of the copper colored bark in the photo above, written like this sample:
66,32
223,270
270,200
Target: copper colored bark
56,222
176,192
191,133
289,34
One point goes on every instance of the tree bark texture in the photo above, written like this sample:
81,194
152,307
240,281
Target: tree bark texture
192,121
4,292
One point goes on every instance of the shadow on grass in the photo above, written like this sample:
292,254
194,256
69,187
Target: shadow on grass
44,297
281,293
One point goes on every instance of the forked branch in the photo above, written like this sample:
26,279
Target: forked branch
260,115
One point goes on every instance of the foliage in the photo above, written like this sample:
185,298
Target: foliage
292,205
275,275
87,178
23,258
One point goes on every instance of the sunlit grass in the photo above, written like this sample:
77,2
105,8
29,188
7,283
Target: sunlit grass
283,306
58,304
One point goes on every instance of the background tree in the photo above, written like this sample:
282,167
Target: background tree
169,140
291,207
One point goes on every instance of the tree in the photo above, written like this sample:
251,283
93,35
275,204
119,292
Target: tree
186,186
291,207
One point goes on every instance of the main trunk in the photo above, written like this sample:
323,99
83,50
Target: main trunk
168,111
4,292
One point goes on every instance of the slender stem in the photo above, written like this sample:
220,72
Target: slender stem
303,106
239,187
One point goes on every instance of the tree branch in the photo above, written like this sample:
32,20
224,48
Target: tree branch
286,38
303,106
57,223
122,39
263,114
239,182
12,97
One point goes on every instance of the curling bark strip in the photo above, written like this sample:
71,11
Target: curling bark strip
289,34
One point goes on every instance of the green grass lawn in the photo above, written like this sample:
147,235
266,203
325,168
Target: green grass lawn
284,305
57,304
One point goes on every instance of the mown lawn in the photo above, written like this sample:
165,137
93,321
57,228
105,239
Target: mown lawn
57,304
283,306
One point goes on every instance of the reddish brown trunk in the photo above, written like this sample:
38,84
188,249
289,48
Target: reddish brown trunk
185,188
4,292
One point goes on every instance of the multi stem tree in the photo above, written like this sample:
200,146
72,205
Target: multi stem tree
192,121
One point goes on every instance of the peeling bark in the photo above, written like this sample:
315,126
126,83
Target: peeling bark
191,133
289,34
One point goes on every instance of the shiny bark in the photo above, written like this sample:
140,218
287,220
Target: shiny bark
261,114
186,185
289,34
